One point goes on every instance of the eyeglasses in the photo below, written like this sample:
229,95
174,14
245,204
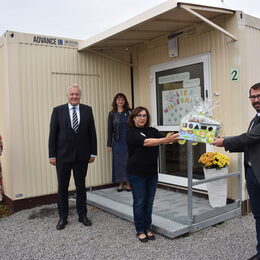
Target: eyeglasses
255,97
139,116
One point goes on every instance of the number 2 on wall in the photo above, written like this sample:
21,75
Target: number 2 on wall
234,75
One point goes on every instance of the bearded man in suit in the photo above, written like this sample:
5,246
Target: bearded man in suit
72,145
249,143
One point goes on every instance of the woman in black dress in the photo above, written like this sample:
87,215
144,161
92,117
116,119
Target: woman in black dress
143,148
117,127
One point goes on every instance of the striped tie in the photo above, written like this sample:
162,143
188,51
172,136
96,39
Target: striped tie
75,123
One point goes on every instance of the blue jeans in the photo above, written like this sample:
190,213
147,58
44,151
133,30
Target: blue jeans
253,188
143,190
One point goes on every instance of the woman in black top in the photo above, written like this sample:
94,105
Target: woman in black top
117,127
143,148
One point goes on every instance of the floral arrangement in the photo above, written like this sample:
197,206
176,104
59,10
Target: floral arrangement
216,160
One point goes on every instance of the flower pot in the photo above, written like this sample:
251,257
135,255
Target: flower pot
217,190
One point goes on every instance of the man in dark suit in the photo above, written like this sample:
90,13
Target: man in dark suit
72,145
249,143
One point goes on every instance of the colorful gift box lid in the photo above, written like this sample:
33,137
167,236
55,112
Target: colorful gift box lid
199,128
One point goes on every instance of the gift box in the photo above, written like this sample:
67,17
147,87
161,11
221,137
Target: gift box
198,125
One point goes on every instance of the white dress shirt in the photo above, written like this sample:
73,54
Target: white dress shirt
78,115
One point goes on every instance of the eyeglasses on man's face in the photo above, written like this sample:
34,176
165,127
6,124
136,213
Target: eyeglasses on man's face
141,115
254,97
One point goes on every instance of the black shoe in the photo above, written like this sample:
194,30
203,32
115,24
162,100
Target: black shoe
128,190
119,190
61,224
151,237
85,221
143,240
255,257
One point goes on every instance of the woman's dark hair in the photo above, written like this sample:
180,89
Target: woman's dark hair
135,112
114,105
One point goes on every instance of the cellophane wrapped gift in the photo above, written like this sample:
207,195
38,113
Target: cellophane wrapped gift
198,125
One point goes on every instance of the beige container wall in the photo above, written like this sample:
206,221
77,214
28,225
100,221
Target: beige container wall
224,56
39,83
249,42
250,63
4,117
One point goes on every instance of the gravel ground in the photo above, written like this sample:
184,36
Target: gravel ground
31,234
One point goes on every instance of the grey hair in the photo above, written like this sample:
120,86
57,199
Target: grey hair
74,86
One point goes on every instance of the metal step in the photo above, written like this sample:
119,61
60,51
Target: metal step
161,225
170,214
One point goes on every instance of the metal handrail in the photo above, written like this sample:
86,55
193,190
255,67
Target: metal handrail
224,176
191,183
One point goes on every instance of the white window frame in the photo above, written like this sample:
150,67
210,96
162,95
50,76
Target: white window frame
205,59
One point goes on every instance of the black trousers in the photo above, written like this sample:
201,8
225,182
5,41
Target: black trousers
79,173
253,188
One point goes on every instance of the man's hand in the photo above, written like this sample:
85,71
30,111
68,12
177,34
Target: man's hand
91,160
218,142
52,161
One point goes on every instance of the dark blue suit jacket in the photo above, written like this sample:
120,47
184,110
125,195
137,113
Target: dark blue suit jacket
249,143
64,143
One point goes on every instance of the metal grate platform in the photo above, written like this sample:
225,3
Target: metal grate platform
170,213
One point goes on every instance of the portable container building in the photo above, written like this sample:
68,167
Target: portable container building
210,52
35,72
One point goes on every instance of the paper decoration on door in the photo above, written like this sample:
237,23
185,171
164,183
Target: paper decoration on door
177,103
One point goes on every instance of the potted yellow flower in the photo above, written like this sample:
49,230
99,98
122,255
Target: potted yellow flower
214,160
215,164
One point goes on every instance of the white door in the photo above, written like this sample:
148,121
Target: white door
174,85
